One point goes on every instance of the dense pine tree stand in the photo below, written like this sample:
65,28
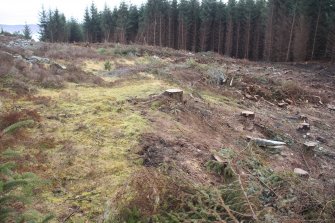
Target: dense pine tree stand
269,30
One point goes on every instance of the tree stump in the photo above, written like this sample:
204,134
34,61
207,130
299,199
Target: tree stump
176,94
304,127
248,114
310,145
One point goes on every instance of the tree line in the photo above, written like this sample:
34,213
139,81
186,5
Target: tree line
270,30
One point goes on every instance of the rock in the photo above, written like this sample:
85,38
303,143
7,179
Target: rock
304,127
58,66
22,43
310,145
248,96
176,94
324,152
321,139
36,59
300,172
18,57
331,107
303,117
282,104
289,101
248,114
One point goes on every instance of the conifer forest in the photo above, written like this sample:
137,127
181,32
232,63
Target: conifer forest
259,30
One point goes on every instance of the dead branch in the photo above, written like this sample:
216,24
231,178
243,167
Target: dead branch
72,213
227,209
246,197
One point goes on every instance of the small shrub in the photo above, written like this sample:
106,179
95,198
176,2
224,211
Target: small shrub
293,90
102,51
124,51
21,87
52,82
10,118
108,65
216,76
223,169
6,63
191,63
12,128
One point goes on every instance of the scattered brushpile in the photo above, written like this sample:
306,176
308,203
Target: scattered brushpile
113,133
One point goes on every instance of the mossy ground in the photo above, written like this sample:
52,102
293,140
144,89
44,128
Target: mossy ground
92,136
93,129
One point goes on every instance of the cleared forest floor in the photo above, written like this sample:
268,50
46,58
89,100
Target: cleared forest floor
107,146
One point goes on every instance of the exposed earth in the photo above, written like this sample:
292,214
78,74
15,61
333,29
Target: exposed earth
107,145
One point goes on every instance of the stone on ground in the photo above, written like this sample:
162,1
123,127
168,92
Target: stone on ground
300,172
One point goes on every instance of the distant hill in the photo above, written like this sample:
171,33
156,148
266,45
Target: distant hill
19,28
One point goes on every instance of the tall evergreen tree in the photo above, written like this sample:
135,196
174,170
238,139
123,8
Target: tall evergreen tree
107,23
75,31
121,22
26,32
272,30
43,25
87,26
95,24
132,24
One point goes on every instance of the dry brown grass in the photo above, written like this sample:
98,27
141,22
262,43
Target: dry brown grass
148,192
67,52
6,63
10,118
23,78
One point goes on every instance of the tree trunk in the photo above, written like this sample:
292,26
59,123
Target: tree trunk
169,34
246,54
238,39
291,35
160,30
271,32
195,34
203,37
228,48
155,24
219,40
316,30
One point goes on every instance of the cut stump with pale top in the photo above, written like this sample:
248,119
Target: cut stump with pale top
174,93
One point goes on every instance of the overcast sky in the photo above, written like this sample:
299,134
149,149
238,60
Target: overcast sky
15,12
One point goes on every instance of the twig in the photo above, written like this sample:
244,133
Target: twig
246,197
239,213
227,209
231,82
72,213
324,208
303,157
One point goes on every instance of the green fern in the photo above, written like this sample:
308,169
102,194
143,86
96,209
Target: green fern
18,125
6,168
15,188
12,184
